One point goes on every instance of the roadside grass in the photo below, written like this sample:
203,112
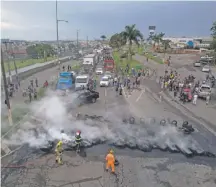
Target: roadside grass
25,62
154,58
122,63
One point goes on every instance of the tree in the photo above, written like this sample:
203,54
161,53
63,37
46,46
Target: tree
157,38
103,37
40,50
117,41
71,46
130,35
213,30
213,43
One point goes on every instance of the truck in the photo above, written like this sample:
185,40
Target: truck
89,62
109,63
65,81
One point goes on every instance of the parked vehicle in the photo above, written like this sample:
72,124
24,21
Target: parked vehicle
109,63
99,71
65,81
206,69
105,81
197,64
204,90
81,81
88,96
206,57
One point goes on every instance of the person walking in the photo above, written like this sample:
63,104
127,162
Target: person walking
207,98
110,161
36,82
58,152
195,98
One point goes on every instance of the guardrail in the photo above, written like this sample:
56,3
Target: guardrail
30,70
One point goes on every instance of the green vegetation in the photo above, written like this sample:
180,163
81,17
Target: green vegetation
117,41
213,30
103,37
155,58
24,63
40,51
132,35
122,62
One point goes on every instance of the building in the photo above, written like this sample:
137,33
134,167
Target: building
193,42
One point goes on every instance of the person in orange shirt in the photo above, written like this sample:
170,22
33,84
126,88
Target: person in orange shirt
110,161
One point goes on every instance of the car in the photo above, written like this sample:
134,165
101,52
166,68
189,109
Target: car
206,69
197,64
108,74
204,90
99,71
105,81
88,96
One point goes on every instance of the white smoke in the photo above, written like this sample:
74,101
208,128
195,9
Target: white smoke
52,115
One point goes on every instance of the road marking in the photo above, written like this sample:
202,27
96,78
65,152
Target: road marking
138,98
105,92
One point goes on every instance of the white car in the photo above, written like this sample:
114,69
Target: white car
206,57
206,69
197,64
105,81
99,71
108,74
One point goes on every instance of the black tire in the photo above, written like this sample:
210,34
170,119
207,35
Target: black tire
131,120
163,122
174,123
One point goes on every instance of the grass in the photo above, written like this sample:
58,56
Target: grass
122,63
155,58
25,62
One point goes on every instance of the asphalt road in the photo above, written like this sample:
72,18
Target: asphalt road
18,100
154,169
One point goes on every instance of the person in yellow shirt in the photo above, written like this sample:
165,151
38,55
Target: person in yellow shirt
58,152
110,161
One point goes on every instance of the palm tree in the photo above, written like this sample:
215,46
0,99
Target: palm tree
131,34
117,41
157,38
166,45
103,37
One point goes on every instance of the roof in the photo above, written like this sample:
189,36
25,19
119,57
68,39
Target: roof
82,76
89,56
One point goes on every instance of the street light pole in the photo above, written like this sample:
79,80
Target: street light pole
7,100
57,36
77,38
8,63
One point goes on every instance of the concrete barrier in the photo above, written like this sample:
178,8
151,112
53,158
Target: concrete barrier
25,72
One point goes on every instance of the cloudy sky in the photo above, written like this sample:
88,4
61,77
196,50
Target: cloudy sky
35,20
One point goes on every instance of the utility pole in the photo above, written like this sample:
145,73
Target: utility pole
8,63
7,100
87,41
77,38
57,35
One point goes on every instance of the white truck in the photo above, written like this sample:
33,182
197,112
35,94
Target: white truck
89,59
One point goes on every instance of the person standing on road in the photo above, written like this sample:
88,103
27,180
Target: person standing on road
30,95
195,98
110,161
207,98
58,152
32,83
78,140
35,93
36,82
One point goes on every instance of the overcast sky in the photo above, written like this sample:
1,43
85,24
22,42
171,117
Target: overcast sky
35,20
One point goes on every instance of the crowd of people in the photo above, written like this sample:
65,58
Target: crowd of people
186,89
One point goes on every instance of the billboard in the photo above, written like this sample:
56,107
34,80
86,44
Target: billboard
152,30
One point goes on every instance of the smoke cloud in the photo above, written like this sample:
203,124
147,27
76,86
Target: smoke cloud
54,113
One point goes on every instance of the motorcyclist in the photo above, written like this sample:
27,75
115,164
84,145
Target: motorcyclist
58,152
78,140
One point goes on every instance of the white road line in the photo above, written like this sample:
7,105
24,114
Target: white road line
138,98
105,92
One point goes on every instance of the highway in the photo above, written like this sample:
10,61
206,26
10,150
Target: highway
156,168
